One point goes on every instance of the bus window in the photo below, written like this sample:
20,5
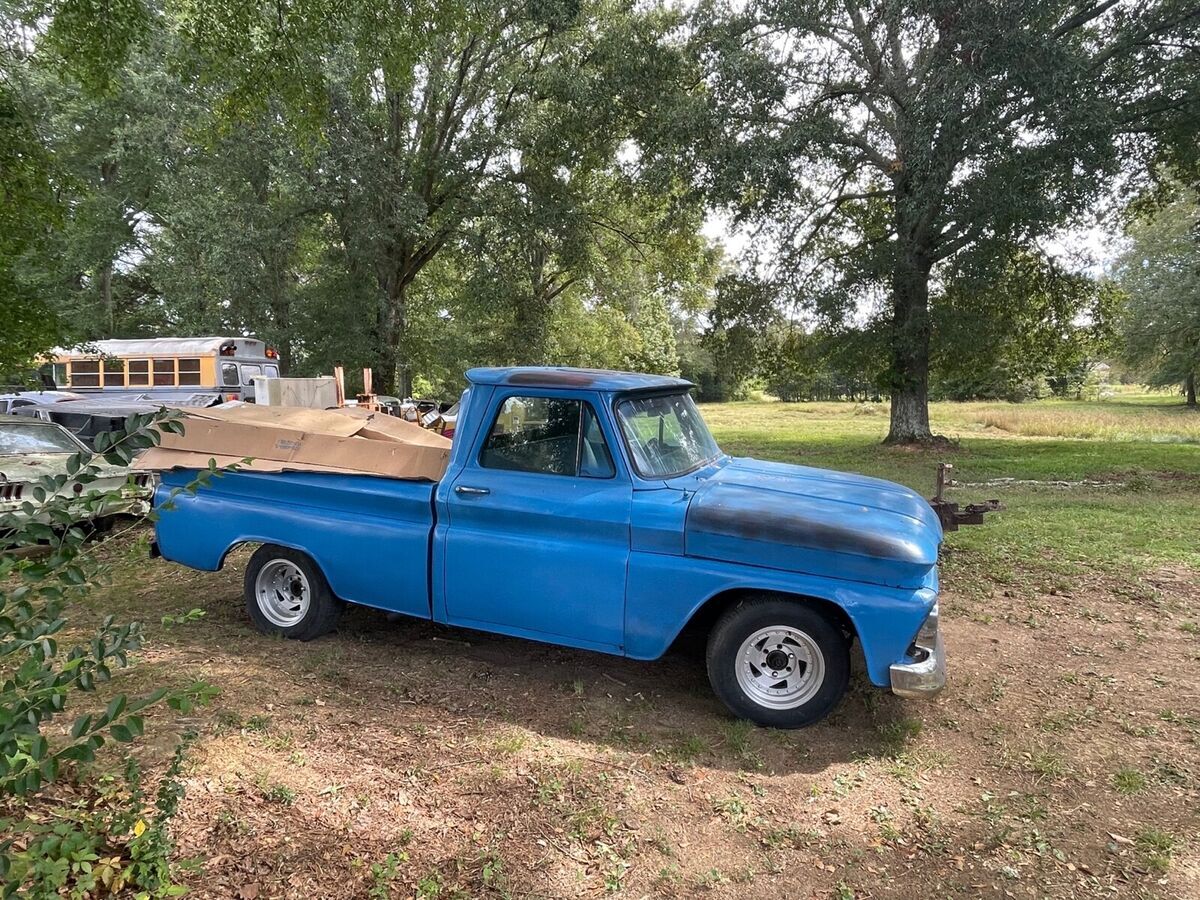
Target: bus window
229,374
114,373
59,371
271,371
248,372
139,372
85,373
189,371
164,372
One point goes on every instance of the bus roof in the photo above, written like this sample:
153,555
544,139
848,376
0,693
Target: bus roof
167,346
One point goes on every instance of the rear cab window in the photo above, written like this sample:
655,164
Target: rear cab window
547,435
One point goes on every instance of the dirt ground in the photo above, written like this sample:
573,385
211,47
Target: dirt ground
396,758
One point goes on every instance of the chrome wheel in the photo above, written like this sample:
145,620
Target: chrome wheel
780,667
283,593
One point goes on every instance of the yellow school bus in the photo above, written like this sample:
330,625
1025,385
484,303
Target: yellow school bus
166,368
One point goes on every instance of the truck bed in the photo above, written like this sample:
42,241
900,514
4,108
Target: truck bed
369,535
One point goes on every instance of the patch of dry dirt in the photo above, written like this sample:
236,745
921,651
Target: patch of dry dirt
1063,760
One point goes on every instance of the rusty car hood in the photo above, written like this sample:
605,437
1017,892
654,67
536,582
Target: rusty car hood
816,521
29,467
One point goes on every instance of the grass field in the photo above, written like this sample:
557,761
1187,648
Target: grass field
1109,485
406,760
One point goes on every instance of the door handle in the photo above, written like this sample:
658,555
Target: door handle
471,491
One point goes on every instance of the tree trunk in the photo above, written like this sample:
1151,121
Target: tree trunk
910,353
532,319
106,299
108,172
393,374
280,302
530,327
1189,388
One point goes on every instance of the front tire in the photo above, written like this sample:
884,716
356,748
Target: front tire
287,594
778,662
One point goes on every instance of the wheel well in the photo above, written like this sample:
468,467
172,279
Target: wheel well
235,546
703,619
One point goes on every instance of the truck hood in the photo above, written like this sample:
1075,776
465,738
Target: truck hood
814,521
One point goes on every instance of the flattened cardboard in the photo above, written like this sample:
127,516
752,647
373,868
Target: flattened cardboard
295,439
381,426
325,421
158,460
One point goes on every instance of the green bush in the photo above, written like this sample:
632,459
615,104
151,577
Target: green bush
48,564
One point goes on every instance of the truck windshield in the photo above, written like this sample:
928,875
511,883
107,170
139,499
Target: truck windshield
666,435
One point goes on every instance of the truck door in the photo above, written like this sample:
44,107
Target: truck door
537,541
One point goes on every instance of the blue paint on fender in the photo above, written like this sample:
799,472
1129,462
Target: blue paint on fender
615,564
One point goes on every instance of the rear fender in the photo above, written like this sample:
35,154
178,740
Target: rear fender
368,557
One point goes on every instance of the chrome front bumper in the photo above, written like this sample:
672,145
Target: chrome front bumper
924,677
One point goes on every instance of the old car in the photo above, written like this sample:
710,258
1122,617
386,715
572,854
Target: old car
31,449
88,418
25,399
595,510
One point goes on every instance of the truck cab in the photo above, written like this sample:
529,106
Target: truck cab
594,509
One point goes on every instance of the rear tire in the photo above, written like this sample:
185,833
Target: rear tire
778,662
287,594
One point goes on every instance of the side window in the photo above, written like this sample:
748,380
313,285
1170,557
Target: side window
189,371
551,435
229,374
85,373
595,461
139,372
114,373
164,372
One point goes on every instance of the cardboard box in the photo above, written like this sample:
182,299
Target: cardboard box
294,439
313,393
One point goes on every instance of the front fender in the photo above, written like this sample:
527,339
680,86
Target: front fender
884,619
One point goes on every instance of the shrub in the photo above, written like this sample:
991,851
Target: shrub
48,564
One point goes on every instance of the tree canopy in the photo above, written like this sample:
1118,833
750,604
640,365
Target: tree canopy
883,149
448,185
416,193
1160,271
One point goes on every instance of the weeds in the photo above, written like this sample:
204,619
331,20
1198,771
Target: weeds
510,744
1157,848
281,794
108,843
1128,781
383,874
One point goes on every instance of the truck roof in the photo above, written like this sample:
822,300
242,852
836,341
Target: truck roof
559,376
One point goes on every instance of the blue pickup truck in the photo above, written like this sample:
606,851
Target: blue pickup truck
594,509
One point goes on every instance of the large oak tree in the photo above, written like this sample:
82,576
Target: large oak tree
881,145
